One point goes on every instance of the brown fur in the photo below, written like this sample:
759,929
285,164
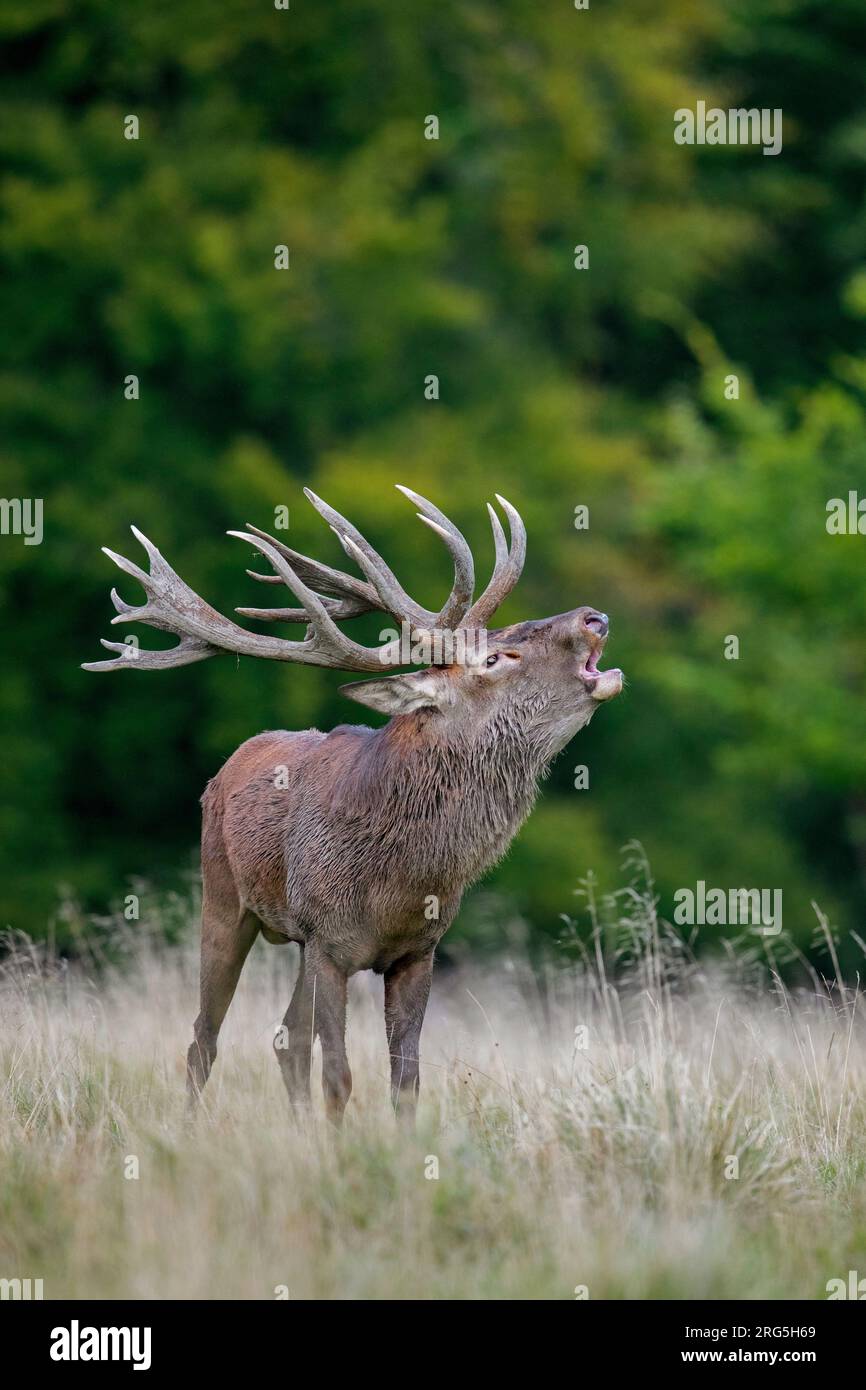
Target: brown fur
359,844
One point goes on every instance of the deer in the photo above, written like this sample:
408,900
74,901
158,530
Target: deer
358,844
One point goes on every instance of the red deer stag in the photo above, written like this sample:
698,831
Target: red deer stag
358,844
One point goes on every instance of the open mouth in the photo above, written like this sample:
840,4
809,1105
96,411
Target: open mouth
589,670
600,685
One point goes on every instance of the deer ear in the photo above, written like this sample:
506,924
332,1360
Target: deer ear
397,694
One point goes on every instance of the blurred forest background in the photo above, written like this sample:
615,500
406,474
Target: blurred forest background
558,387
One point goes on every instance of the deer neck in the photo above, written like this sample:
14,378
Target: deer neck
460,795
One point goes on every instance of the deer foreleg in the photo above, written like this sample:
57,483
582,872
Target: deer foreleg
318,1008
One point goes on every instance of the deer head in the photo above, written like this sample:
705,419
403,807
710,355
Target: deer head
539,680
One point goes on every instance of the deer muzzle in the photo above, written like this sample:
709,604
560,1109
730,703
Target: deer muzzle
593,629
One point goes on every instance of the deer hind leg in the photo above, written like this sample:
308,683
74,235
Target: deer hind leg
294,1042
407,988
228,932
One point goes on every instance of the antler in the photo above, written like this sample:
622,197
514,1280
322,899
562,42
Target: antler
173,607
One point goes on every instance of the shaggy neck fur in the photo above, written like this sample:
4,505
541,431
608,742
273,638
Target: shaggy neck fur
447,802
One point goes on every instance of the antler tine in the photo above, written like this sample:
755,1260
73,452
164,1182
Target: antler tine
338,609
264,578
464,567
507,568
185,653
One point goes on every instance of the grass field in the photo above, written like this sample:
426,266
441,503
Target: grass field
597,1158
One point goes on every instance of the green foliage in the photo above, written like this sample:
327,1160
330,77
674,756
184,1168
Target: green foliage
155,257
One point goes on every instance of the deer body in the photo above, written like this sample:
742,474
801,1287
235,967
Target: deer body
358,844
365,838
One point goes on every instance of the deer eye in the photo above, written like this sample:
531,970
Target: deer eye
492,660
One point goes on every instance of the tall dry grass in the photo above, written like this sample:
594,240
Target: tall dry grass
598,1158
